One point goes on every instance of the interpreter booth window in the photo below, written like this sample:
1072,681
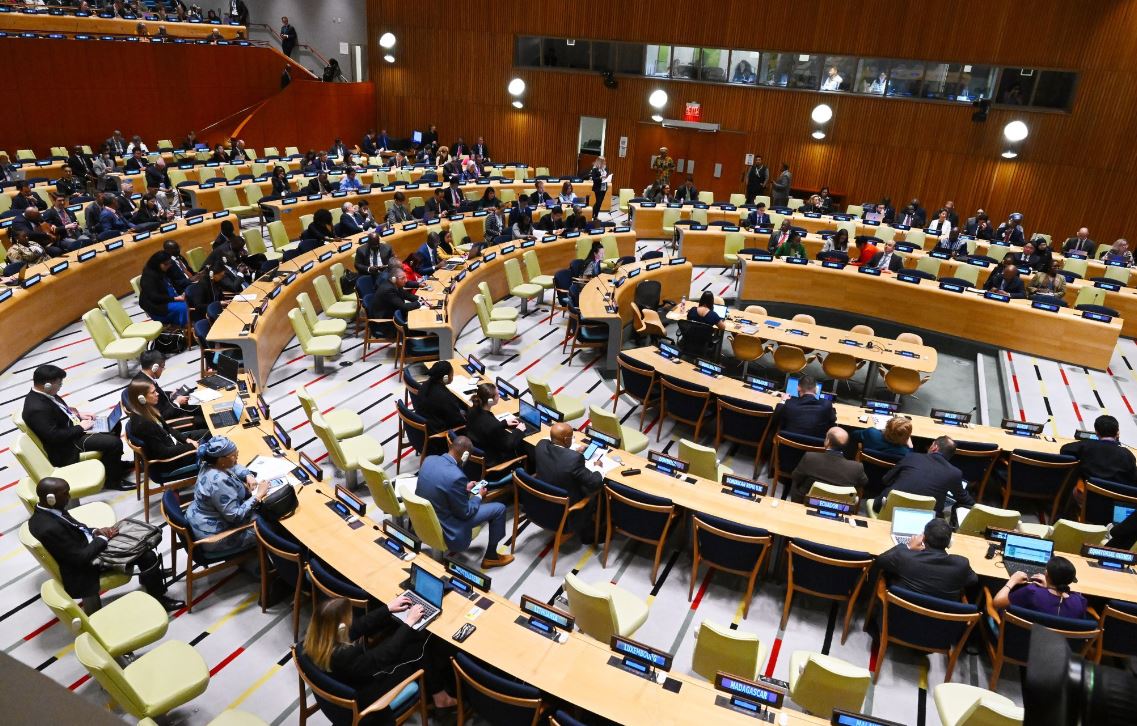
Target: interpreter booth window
601,55
872,76
684,64
561,53
1055,89
713,64
658,63
1016,86
958,82
744,66
838,73
528,52
905,79
806,71
790,70
629,58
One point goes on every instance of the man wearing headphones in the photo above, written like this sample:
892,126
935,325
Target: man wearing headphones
458,502
65,433
390,296
76,548
151,366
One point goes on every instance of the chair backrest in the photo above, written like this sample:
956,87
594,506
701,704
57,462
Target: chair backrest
741,420
826,570
982,516
1101,496
331,584
637,514
1069,536
424,520
115,312
703,460
930,265
1119,629
827,682
593,609
1014,636
254,241
670,217
484,289
1039,474
1089,296
99,328
331,443
513,274
1075,265
110,675
64,607
707,197
904,500
229,198
606,423
540,390
969,273
720,649
382,492
733,243
324,292
532,264
483,314
789,447
976,461
927,622
413,425
634,379
335,699
278,234
285,554
38,551
544,504
684,401
1120,274
496,698
300,326
729,545
611,248
304,301
32,458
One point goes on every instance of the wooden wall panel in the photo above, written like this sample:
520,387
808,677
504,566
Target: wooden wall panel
310,115
1073,165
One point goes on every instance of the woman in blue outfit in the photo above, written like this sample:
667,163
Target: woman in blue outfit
225,497
158,298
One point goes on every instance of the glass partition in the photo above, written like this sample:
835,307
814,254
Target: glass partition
684,65
744,66
657,62
839,73
905,78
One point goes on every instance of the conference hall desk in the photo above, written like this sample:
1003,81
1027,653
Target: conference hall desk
1013,325
597,305
554,253
44,22
647,219
575,671
289,211
30,316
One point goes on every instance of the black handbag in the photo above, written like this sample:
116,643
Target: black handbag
280,503
347,282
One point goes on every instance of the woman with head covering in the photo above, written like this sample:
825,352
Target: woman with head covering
157,297
172,455
224,498
437,403
1048,592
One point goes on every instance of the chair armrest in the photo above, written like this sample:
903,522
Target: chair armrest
221,535
385,700
505,464
989,606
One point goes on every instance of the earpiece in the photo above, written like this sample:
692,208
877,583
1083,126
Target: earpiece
154,368
50,499
342,628
48,386
142,399
465,456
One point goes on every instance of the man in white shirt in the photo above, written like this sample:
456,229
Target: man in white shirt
887,259
832,81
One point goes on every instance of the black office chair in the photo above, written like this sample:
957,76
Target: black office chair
730,547
742,422
876,465
1050,299
493,695
788,449
1100,309
825,571
1037,475
685,402
638,516
976,460
651,255
1102,496
634,380
698,340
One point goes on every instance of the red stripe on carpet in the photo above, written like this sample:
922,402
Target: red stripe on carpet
390,415
208,592
79,682
872,660
299,357
228,659
9,485
1065,381
1126,402
40,629
300,425
68,345
545,550
1022,414
1077,411
522,371
723,291
73,367
324,455
388,377
773,657
702,590
1015,381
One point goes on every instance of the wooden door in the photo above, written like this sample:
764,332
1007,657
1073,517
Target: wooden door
705,149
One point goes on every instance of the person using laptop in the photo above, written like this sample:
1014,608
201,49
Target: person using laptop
1105,458
225,496
376,651
437,403
560,465
458,502
705,312
1048,592
806,413
929,475
151,366
499,439
923,565
172,454
829,466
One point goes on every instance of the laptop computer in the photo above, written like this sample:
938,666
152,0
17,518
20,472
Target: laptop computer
529,416
106,422
228,369
426,590
1023,553
907,523
226,418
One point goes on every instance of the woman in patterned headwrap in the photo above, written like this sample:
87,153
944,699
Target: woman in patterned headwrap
224,497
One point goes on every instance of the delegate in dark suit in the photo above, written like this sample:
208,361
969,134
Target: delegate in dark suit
806,414
347,226
1105,459
830,467
1080,247
386,299
1012,285
754,219
895,262
371,259
931,571
563,467
73,546
63,438
928,475
493,436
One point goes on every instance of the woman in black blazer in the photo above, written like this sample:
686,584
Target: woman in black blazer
599,184
437,404
157,439
158,299
498,439
281,187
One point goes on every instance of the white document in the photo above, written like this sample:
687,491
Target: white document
203,395
271,467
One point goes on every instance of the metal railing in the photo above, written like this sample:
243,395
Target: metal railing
324,61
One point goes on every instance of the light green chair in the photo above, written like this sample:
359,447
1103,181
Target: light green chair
291,151
231,202
497,312
1076,265
602,609
541,171
733,243
230,171
834,492
337,286
518,287
25,155
305,220
124,625
18,420
196,259
109,344
703,461
271,152
108,580
93,514
915,236
424,519
317,326
166,677
737,199
976,520
120,321
707,197
279,236
347,454
255,244
333,307
342,422
969,273
959,704
62,152
670,217
571,406
507,196
382,491
1069,536
496,330
458,230
1120,274
1090,296
720,649
317,346
699,216
632,440
625,197
536,277
902,500
85,477
763,199
795,203
820,683
884,233
931,265
611,252
253,191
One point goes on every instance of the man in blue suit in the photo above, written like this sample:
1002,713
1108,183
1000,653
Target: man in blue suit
758,217
807,414
442,482
929,475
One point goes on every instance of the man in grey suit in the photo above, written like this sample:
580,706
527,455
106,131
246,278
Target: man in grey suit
1080,245
562,466
781,195
829,466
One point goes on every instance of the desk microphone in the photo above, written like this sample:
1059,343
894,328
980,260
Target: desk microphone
229,309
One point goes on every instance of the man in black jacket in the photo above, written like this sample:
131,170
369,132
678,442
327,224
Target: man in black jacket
65,433
807,414
829,466
887,259
75,547
1105,458
373,257
562,466
923,565
151,366
320,185
180,273
390,296
1006,281
928,475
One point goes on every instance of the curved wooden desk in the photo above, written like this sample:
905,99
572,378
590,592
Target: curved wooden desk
646,218
32,315
47,23
1013,325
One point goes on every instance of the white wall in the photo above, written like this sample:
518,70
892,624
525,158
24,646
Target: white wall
323,24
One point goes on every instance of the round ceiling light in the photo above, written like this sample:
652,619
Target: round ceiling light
658,98
387,40
822,113
516,87
1015,131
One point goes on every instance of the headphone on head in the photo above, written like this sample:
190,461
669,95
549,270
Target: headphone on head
142,399
48,386
154,368
50,499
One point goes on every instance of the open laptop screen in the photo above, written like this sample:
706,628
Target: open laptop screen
428,587
1027,549
910,521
